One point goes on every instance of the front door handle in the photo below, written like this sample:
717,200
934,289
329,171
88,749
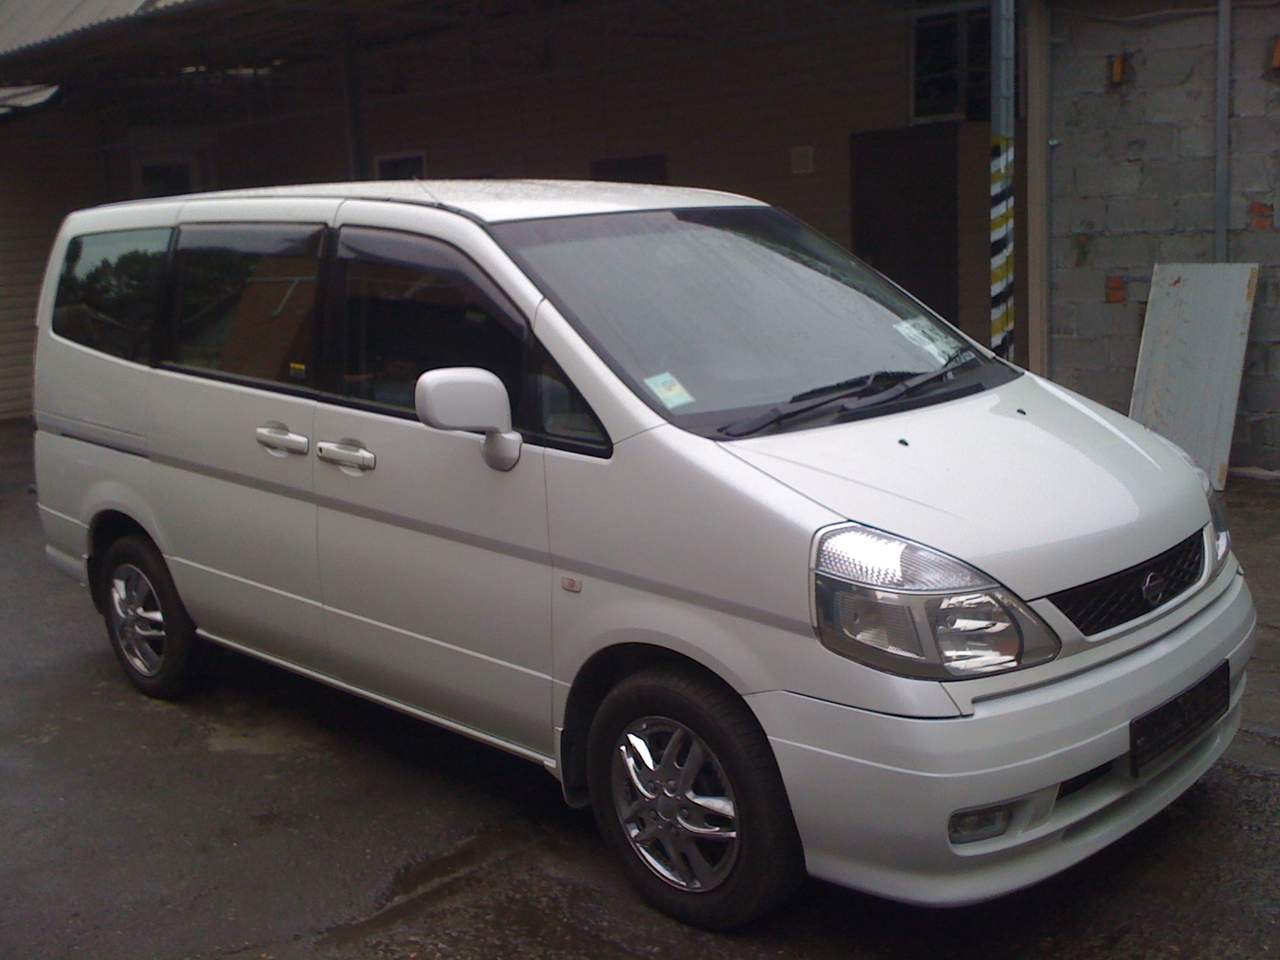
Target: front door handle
276,436
346,454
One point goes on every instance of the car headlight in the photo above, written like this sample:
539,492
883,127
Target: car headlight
907,609
1217,511
1221,535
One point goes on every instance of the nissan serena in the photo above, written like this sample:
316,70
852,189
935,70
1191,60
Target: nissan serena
657,488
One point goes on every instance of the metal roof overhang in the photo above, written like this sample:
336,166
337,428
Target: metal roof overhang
121,40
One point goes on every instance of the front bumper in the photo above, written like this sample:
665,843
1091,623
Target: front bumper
873,794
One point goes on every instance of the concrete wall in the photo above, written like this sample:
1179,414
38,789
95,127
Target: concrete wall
1132,185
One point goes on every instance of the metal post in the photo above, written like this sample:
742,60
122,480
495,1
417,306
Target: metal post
1035,153
1222,169
1003,40
350,95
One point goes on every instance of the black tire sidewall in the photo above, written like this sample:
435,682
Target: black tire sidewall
183,650
769,863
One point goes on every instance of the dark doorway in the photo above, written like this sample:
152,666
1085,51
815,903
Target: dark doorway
651,168
905,210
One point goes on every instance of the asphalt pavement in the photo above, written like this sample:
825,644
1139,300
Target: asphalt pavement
270,816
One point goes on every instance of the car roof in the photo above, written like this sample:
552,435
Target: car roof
494,201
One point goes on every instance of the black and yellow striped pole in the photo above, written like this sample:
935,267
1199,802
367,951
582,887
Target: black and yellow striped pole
1003,65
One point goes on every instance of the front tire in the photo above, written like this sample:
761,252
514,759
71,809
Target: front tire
150,631
687,794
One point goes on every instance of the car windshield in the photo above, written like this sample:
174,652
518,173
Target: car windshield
726,316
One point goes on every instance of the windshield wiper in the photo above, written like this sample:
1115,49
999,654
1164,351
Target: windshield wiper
914,383
857,383
809,400
864,391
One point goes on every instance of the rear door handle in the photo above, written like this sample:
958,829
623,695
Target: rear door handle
276,436
346,455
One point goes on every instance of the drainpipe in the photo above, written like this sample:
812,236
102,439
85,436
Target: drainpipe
1221,170
354,118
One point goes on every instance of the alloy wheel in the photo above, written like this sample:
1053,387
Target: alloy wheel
675,804
136,619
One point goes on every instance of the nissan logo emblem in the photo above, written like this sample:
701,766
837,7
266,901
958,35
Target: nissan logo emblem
1153,588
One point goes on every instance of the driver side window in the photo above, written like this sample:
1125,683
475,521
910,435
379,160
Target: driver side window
410,304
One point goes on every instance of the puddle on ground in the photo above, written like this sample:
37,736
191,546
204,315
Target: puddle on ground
266,741
435,879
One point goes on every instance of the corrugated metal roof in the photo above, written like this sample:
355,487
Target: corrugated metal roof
29,23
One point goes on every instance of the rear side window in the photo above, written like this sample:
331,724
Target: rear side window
246,296
110,291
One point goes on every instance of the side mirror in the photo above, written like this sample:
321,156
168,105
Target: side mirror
468,398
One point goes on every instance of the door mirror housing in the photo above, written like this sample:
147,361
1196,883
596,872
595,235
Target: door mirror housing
471,399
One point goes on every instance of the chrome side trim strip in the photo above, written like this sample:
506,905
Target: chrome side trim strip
507,664
169,558
100,435
62,516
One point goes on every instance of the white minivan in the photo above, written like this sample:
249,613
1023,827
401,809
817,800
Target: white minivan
657,488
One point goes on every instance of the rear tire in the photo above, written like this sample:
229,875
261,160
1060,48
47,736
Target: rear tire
149,628
687,794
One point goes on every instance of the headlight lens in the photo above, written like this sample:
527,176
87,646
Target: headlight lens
904,608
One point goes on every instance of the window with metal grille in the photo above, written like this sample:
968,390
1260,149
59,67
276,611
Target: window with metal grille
951,61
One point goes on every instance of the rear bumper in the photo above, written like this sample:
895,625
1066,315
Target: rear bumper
873,794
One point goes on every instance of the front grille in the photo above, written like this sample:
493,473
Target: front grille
1127,595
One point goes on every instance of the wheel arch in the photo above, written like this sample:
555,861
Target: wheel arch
592,683
106,526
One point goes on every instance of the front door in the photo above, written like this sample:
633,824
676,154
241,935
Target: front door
433,565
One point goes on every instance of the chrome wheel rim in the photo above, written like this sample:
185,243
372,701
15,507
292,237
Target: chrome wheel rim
136,621
675,804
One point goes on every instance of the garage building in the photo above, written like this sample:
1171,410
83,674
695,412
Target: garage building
870,119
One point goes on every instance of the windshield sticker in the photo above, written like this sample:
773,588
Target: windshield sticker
669,390
929,337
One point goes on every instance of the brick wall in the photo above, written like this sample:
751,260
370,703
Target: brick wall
1132,185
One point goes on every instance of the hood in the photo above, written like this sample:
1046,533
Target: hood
1030,483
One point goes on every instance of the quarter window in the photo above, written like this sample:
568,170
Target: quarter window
555,409
110,290
246,300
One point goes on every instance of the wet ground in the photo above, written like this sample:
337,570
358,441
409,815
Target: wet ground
272,817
